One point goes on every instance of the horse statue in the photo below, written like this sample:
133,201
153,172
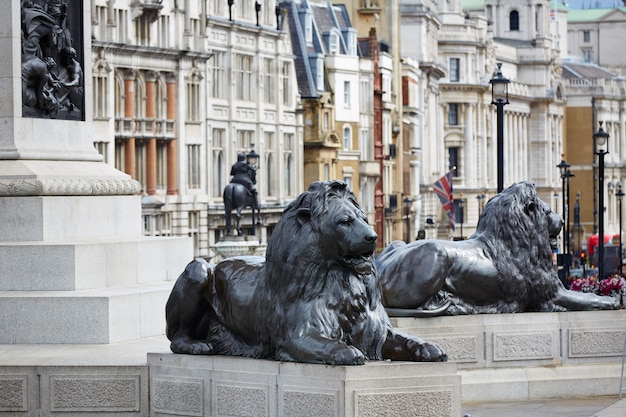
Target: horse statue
237,197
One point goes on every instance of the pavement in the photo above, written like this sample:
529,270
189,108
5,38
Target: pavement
606,406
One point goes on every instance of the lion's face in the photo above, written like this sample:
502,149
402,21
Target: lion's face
347,235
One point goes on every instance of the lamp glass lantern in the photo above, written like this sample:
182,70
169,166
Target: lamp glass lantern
563,168
600,141
252,158
499,87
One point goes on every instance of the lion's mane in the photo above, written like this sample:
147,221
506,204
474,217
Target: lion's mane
514,231
338,299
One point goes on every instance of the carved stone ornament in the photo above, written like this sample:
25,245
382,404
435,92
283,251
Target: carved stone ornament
67,187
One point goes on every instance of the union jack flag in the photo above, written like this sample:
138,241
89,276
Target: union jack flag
443,189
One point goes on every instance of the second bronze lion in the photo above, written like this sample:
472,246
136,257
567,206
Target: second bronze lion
505,267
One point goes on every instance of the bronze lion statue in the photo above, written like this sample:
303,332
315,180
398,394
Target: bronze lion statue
505,267
314,298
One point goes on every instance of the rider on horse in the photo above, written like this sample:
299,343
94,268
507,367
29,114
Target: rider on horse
245,174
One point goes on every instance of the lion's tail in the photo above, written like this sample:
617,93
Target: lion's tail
419,312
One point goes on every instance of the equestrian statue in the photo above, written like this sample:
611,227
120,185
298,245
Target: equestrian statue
241,193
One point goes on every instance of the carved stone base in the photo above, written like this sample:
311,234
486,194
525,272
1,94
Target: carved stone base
530,355
187,385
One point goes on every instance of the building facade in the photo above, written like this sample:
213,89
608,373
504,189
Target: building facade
180,88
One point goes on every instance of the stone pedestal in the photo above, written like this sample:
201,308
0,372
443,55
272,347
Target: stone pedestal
524,356
187,385
231,246
74,266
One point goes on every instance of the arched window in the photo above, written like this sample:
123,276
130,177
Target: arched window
347,138
514,20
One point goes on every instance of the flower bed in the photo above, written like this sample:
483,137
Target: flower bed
615,285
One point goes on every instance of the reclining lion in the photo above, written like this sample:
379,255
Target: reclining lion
505,267
314,298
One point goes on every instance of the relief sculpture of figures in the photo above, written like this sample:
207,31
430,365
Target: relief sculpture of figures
505,267
314,298
52,76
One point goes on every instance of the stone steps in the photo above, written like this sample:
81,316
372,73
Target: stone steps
105,315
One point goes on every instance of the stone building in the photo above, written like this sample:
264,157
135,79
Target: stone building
457,48
595,89
180,88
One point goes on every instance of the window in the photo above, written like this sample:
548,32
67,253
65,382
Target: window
288,175
453,160
586,36
346,93
245,139
333,43
243,77
364,145
269,175
288,140
366,97
194,230
308,26
351,41
219,168
268,81
100,97
285,82
587,55
142,30
193,100
453,114
454,70
140,163
193,166
161,165
347,138
218,75
319,68
514,20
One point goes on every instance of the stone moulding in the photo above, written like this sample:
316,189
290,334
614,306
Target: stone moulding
67,187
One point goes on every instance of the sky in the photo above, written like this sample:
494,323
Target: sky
594,4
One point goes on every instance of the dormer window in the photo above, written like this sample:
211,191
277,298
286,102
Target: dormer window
333,43
350,38
307,24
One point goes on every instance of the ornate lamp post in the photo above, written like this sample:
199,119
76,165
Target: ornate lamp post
230,9
257,9
620,195
500,98
563,167
481,203
601,148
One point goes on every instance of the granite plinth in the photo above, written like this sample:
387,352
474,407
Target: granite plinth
530,355
188,385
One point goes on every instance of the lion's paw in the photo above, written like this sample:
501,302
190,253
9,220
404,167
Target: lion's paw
428,352
192,348
348,356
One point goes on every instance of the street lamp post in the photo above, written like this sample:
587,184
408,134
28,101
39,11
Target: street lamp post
620,195
481,203
500,98
568,177
407,217
601,148
563,168
462,214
